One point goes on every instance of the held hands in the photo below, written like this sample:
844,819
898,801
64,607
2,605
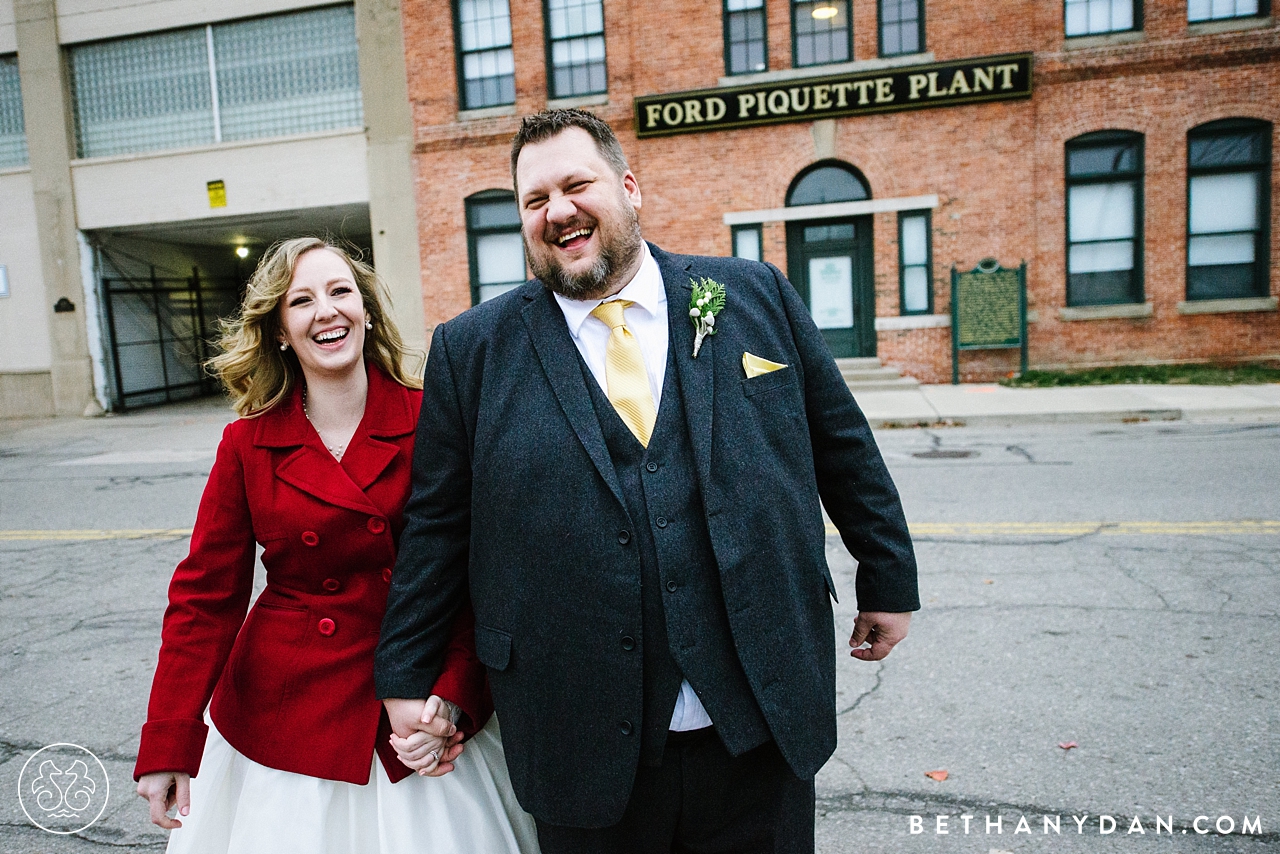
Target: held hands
424,735
881,629
164,790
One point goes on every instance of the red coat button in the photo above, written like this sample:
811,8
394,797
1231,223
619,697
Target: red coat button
377,526
311,538
331,584
386,575
327,627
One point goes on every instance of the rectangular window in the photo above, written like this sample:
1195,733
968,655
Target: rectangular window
747,242
285,74
1104,219
488,69
745,47
915,263
576,47
1226,211
494,244
13,131
1093,17
821,32
288,74
1217,10
901,27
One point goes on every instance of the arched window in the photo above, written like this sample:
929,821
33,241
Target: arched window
1104,218
494,247
1228,178
825,183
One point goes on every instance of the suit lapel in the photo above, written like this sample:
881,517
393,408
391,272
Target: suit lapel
697,376
559,357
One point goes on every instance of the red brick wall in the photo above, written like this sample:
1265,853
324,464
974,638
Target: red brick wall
997,169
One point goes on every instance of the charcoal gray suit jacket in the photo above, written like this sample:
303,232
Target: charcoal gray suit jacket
515,502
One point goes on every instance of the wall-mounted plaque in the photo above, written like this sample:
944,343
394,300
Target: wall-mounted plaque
988,310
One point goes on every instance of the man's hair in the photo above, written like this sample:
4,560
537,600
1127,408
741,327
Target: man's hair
549,123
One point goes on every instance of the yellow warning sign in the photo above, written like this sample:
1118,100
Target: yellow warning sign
217,194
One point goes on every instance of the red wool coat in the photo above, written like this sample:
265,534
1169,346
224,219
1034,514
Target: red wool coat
292,685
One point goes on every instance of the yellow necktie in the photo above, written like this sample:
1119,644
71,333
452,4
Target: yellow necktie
624,372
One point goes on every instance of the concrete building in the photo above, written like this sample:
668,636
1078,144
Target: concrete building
1122,149
148,155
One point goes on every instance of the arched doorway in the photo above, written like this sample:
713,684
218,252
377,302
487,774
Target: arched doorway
830,260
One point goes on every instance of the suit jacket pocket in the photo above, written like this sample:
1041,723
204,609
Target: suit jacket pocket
770,381
493,647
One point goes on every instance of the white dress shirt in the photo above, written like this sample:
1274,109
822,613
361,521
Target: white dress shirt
647,320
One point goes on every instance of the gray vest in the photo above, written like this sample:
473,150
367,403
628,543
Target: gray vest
685,628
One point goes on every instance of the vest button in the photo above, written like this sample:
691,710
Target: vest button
310,538
331,584
661,521
386,575
624,537
628,643
672,587
625,727
651,467
326,627
376,525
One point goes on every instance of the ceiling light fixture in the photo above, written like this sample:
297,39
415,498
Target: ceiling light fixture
825,11
242,251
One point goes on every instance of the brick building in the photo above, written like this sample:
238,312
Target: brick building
1121,148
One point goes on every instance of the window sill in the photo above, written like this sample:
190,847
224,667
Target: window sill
913,321
1106,312
1103,40
596,100
15,170
1229,25
826,70
1228,306
487,113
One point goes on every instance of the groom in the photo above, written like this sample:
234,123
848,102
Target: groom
639,529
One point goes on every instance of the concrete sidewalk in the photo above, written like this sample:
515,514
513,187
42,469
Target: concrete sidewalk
994,405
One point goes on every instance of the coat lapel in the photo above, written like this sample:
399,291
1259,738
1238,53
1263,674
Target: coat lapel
697,376
311,468
388,414
559,357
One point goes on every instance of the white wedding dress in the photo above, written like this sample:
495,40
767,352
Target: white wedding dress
241,807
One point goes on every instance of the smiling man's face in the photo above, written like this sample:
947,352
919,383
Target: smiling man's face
579,218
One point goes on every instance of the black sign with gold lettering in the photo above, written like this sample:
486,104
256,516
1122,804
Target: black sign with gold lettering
943,84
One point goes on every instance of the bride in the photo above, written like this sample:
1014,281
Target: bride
295,753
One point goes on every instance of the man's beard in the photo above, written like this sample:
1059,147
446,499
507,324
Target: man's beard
618,251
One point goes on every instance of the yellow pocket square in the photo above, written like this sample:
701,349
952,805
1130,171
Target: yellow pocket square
754,366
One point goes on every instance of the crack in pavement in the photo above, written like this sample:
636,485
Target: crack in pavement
867,693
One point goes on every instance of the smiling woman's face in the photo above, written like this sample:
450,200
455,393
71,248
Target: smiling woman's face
322,315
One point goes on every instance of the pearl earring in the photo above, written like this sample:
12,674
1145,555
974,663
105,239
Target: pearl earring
368,324
284,345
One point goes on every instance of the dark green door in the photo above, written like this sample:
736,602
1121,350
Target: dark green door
831,266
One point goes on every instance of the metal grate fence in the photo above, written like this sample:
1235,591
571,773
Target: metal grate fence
161,332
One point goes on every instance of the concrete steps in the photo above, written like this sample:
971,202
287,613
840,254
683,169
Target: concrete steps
868,374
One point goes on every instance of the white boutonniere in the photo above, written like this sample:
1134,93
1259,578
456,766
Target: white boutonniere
706,303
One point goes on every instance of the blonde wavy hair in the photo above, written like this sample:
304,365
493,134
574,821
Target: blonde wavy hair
256,372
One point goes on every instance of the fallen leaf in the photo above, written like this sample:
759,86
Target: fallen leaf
987,581
938,775
1067,745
